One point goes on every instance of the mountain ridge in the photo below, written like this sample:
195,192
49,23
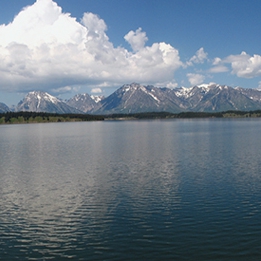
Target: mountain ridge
4,107
38,101
137,98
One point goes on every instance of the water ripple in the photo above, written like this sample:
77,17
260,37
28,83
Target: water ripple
190,193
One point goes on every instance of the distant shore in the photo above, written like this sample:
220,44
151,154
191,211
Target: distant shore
42,117
184,115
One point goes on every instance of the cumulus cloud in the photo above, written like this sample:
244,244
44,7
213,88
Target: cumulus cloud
136,39
96,90
195,78
244,65
199,57
46,48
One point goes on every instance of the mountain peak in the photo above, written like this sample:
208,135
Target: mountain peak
42,96
4,108
39,101
132,86
82,102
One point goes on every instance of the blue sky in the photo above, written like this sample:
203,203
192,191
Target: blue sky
66,47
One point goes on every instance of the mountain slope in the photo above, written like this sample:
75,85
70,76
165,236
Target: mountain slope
3,108
38,101
134,98
253,94
215,97
82,102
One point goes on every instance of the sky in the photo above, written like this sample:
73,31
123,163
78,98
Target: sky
66,47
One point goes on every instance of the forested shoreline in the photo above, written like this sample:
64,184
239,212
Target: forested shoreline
43,117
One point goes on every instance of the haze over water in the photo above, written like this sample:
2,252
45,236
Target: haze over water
131,190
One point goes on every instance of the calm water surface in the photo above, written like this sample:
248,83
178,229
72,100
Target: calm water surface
131,190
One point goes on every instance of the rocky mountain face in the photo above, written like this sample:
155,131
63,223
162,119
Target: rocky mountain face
85,103
82,102
132,98
136,98
253,94
38,101
212,98
3,108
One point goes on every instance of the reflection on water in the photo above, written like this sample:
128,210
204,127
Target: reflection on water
138,190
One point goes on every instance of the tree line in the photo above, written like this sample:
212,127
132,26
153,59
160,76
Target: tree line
37,117
184,115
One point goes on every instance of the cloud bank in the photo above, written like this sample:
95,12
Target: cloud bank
44,47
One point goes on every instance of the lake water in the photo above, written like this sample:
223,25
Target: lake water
131,190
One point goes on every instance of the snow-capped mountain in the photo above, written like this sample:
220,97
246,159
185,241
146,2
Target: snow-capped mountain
38,101
83,102
3,107
216,97
133,98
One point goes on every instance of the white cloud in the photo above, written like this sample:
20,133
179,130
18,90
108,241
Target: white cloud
195,78
172,85
218,69
169,84
96,90
244,65
199,57
217,61
219,66
136,39
62,89
44,48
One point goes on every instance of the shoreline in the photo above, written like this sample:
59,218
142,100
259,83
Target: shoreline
43,117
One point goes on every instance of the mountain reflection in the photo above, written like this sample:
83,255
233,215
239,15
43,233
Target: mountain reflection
79,190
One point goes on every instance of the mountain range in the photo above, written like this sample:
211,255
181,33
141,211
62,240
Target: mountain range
136,98
38,101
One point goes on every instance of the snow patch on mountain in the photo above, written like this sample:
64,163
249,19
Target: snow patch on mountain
154,97
97,98
183,92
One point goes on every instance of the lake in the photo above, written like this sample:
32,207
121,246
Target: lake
131,190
